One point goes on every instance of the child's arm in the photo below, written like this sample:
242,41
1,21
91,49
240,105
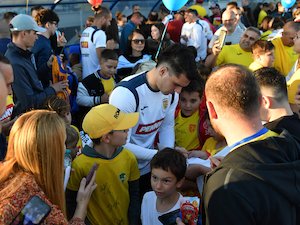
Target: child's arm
134,205
198,154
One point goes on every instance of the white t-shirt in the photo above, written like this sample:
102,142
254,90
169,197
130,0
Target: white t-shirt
196,38
156,115
230,39
89,58
149,213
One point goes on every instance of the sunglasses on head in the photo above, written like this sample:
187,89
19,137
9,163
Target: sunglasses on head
138,41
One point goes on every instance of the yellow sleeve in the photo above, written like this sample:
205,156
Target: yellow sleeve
221,56
292,86
134,169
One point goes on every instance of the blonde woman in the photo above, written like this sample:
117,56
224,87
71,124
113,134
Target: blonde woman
34,167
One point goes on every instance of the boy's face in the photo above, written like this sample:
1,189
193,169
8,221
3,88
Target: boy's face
164,183
267,59
118,137
108,67
189,102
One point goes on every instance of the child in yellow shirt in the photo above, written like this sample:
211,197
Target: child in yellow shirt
263,54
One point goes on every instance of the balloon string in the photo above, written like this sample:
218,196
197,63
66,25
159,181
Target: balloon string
161,40
27,3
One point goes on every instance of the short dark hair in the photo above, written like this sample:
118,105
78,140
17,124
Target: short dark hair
170,160
180,59
234,87
9,15
45,16
261,47
72,137
102,12
195,86
233,3
272,78
37,7
193,11
107,54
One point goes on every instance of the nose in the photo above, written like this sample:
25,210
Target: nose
158,185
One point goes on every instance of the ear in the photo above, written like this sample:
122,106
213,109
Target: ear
47,25
266,102
211,110
163,70
105,138
180,183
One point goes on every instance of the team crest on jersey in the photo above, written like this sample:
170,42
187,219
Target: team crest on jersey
192,128
84,44
122,177
165,103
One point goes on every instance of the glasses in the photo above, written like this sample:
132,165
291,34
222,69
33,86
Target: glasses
138,41
54,22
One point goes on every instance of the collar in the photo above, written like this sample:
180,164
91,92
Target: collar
88,151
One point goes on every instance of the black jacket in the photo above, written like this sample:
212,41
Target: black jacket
258,183
27,88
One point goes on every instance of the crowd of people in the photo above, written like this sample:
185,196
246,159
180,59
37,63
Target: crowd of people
150,111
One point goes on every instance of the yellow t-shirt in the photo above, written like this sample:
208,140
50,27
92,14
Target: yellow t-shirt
210,146
186,131
292,86
9,108
285,57
234,54
262,14
255,66
110,200
108,84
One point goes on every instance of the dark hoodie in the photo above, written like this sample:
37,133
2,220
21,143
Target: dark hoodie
257,183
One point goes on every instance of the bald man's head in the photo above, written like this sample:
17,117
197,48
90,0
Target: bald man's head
234,89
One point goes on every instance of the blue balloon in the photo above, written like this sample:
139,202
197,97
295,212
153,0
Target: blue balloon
287,3
174,5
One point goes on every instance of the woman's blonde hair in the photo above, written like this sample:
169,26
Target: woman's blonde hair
36,145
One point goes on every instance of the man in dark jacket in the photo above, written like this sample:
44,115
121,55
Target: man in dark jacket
28,91
276,110
257,182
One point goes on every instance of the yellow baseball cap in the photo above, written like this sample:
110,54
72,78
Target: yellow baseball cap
105,118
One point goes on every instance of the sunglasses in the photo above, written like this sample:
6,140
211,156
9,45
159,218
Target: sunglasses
138,41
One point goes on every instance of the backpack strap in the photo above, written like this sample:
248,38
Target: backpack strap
132,84
95,30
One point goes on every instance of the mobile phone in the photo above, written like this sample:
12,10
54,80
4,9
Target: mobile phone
91,173
170,217
34,212
221,38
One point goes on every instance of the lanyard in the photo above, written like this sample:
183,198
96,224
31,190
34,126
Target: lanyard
247,139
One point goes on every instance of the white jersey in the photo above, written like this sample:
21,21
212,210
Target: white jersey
195,37
89,41
149,213
230,39
156,115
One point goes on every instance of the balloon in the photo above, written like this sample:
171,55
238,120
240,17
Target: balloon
95,2
287,3
174,5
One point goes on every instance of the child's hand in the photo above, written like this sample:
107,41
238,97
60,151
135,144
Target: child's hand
182,150
104,98
215,161
197,154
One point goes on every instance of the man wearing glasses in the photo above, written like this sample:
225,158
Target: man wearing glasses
42,50
230,25
154,94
